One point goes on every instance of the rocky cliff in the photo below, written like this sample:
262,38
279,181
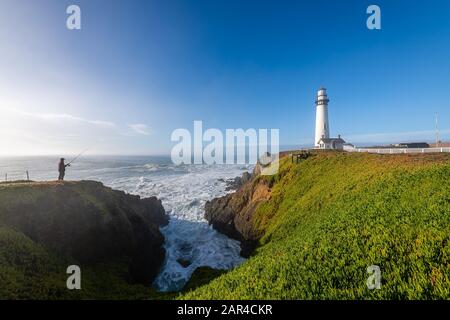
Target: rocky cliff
84,222
233,213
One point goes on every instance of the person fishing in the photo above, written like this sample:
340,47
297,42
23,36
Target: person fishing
62,169
62,166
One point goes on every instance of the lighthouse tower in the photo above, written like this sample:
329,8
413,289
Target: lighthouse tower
322,126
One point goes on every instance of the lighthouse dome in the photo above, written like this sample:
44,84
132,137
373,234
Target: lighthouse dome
322,92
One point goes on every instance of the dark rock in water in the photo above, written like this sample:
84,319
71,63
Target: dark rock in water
233,184
232,214
88,222
184,263
236,183
184,247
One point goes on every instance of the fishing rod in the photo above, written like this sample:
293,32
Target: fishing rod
77,156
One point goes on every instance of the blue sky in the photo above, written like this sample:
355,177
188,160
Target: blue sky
137,70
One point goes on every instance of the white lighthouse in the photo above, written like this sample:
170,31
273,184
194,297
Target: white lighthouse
322,136
322,126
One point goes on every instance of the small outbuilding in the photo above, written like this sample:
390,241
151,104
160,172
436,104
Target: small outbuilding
331,143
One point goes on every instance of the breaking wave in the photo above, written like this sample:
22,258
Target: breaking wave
189,241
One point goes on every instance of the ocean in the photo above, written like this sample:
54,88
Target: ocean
183,190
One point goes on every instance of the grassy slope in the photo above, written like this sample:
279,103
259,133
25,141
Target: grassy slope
29,270
333,215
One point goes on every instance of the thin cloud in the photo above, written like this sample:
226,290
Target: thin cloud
140,128
64,117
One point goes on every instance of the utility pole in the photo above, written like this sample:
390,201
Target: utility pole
437,129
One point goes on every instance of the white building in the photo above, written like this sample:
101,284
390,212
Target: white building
322,138
331,143
322,126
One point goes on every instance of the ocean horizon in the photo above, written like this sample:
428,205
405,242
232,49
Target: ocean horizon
183,190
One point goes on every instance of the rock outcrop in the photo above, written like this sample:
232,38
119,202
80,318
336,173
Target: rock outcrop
88,223
233,213
236,183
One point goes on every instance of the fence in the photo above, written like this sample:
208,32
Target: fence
400,150
17,176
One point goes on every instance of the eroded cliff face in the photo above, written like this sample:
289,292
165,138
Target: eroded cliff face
233,213
88,223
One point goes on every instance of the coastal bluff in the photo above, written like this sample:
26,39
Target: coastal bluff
233,213
318,224
46,226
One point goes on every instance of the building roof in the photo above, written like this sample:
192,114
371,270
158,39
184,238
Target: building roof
330,140
414,145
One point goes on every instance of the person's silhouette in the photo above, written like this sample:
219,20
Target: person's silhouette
62,168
